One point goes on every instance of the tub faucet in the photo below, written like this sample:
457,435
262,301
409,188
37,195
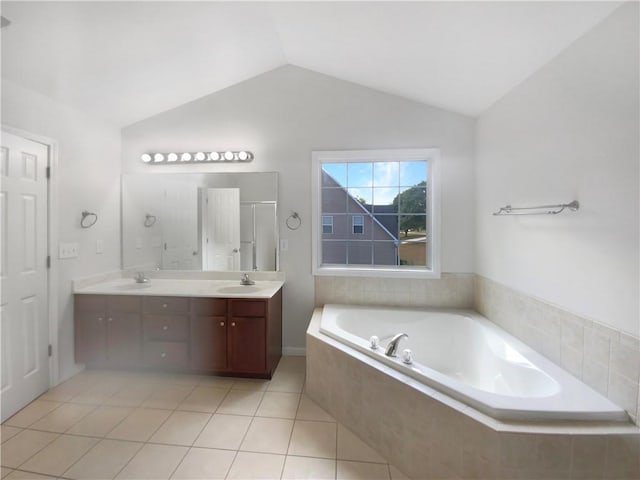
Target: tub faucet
392,348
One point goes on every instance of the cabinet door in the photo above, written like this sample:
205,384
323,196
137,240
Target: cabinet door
91,341
123,339
247,344
209,343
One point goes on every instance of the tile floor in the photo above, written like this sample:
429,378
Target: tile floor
132,425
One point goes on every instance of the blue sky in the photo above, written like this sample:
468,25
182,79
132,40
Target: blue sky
377,182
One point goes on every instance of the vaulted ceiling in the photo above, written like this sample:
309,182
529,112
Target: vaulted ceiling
126,61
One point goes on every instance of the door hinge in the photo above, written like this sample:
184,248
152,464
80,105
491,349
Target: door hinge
50,350
48,172
48,261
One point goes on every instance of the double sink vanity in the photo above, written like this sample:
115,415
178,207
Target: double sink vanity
199,326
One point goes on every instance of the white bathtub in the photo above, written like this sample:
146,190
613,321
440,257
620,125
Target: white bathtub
465,356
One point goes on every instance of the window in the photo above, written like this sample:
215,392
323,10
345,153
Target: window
381,209
327,224
357,225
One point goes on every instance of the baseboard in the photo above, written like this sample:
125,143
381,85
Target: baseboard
294,351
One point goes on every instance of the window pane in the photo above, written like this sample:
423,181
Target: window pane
412,227
359,197
341,228
413,253
385,227
385,253
413,200
412,173
327,224
360,174
384,200
358,224
337,174
334,252
385,174
334,200
359,253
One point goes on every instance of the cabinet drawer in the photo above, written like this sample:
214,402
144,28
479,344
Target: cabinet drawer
166,354
166,327
90,303
166,305
209,307
248,308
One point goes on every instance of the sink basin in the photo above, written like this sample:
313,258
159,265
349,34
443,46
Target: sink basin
240,289
132,286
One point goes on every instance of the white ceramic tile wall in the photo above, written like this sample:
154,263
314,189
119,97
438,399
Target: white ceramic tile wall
608,360
452,290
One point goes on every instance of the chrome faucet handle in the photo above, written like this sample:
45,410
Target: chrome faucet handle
140,277
245,280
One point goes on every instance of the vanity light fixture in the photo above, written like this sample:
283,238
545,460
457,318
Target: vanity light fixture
188,157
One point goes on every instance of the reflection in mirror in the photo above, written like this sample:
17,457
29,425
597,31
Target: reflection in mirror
200,221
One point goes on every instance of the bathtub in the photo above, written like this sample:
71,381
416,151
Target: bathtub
465,356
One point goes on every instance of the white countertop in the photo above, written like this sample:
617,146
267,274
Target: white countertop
184,288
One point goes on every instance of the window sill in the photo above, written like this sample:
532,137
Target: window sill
376,272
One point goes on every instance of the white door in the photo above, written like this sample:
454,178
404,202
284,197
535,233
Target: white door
223,229
24,318
179,223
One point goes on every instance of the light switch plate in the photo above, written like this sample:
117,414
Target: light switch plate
284,244
68,250
99,246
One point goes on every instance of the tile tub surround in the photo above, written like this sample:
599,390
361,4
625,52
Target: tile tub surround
428,435
452,290
605,359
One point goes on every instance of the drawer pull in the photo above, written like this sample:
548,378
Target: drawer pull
163,355
222,324
164,327
233,324
109,319
99,319
164,305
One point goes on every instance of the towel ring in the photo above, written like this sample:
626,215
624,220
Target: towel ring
84,223
293,221
149,220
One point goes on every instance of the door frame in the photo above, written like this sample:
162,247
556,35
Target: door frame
52,241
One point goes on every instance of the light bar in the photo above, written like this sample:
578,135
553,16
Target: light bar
224,156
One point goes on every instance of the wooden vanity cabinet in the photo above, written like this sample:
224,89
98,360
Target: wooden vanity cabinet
108,330
234,336
209,334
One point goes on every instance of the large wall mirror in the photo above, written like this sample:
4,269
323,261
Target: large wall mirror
200,221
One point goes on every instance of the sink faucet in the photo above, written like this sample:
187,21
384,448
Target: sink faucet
140,278
245,280
392,348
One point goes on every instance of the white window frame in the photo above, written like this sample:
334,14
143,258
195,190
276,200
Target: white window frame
353,224
432,157
327,224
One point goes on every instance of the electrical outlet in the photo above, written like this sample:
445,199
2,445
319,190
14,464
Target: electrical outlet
284,244
68,250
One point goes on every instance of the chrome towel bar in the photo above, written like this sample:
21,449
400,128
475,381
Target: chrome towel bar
539,210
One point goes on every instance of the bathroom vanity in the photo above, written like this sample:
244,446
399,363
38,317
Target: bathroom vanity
196,326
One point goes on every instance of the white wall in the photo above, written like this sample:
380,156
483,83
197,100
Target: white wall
570,132
88,177
285,114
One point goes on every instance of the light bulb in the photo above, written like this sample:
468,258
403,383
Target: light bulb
200,156
243,155
158,157
215,156
186,157
228,155
172,157
146,158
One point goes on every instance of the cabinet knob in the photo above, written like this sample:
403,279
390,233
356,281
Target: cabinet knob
164,305
163,355
164,327
109,319
233,324
222,324
99,319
